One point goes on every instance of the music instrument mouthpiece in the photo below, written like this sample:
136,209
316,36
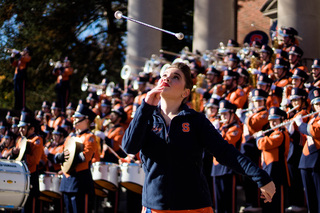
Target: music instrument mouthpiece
118,14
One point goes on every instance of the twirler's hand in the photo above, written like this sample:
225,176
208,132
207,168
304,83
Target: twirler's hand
267,192
153,96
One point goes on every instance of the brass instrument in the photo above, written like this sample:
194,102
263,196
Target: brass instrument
85,85
254,65
55,64
196,92
9,50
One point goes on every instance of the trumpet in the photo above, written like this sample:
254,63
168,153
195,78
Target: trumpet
85,85
55,64
9,50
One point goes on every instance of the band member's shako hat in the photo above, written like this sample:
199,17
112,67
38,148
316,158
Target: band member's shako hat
276,113
83,111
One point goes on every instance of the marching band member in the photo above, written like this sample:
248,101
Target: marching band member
28,127
288,34
142,91
70,110
164,124
224,178
296,196
127,102
309,161
282,80
7,144
266,54
233,62
114,135
299,78
77,185
211,112
62,86
274,152
295,55
59,135
264,83
243,82
20,61
105,109
57,117
213,77
315,73
253,122
234,93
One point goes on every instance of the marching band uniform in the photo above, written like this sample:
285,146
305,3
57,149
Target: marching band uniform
264,83
296,196
20,62
115,135
225,178
62,86
310,161
234,93
253,123
315,74
57,118
142,92
32,156
7,144
77,185
55,148
267,66
295,54
127,102
288,34
275,148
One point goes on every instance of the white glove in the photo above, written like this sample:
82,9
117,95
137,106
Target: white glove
100,134
255,71
216,123
298,120
290,128
258,134
46,151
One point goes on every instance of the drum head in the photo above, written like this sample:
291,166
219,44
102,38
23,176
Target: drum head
74,146
23,147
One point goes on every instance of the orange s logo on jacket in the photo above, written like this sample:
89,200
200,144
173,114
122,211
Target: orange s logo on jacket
186,127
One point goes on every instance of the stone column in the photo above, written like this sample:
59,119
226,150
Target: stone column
304,16
143,41
213,23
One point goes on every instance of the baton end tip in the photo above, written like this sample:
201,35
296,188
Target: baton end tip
118,14
179,36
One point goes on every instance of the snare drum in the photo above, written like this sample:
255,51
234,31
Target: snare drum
15,184
106,175
132,177
49,185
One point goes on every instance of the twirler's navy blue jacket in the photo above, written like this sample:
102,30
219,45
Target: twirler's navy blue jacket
172,157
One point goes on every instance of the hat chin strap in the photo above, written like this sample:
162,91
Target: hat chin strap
81,120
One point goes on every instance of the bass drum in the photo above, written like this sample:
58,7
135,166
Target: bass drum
132,177
15,184
49,185
106,175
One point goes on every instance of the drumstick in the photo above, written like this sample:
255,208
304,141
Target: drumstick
123,150
113,152
50,173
